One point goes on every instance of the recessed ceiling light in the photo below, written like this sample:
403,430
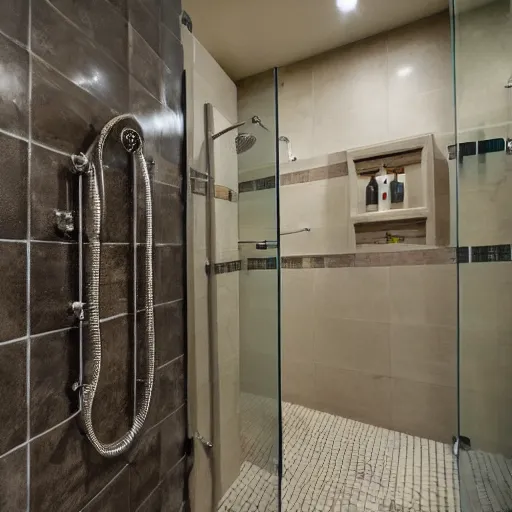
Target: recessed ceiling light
405,71
346,5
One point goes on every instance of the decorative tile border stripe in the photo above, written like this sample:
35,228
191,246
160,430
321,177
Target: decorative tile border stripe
226,194
484,254
228,267
199,182
440,256
261,263
326,172
266,183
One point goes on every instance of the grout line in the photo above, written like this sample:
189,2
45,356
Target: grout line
29,236
15,41
15,340
170,362
167,417
35,143
55,331
5,240
141,310
86,36
57,242
114,317
104,488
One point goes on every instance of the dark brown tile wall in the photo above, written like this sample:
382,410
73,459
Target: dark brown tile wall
81,64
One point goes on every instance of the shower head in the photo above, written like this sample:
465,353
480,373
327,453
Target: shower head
508,85
257,120
244,142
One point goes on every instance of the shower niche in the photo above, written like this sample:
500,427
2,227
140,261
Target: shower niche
399,195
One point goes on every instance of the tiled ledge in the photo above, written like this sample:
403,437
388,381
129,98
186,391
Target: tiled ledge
198,184
326,172
228,267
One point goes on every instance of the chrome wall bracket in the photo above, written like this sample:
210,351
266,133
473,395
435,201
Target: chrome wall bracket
203,440
64,222
80,163
508,146
78,309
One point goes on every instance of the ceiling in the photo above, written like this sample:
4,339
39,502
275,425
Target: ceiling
250,36
247,37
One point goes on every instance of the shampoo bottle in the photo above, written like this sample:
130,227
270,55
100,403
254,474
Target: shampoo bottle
397,193
372,195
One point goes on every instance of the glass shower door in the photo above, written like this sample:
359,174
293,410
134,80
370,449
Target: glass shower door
257,487
482,37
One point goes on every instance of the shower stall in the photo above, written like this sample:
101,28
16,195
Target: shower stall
368,368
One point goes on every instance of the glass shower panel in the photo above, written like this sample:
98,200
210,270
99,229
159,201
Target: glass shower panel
257,487
482,35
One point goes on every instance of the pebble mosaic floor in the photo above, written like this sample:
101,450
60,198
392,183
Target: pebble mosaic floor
333,464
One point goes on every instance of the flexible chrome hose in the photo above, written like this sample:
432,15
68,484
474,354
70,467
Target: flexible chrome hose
89,390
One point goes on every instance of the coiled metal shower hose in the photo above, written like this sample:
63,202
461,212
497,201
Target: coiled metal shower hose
89,390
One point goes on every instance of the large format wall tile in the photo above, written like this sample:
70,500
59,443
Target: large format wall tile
65,471
54,285
54,369
51,186
144,18
14,103
13,413
13,293
13,192
145,65
171,379
101,22
113,498
169,331
13,481
14,20
64,116
56,41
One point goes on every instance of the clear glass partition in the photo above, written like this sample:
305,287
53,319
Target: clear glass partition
482,36
257,487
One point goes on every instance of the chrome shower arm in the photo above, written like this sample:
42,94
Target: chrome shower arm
227,130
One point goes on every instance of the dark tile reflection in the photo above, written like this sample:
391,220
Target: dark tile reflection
14,19
13,189
113,498
54,285
171,387
168,273
173,434
54,368
13,481
121,6
171,51
169,331
118,205
168,206
13,290
171,16
145,65
63,115
56,41
173,493
145,22
102,23
13,410
115,280
112,408
145,467
51,185
14,104
65,471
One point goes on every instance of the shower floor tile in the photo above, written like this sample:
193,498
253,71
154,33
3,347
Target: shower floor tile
333,464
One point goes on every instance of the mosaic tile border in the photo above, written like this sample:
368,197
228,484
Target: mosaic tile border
326,172
437,256
261,263
228,266
198,185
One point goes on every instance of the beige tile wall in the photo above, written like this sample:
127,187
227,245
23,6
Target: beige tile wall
374,344
394,85
207,82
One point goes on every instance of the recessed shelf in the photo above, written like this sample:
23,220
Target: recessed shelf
390,215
